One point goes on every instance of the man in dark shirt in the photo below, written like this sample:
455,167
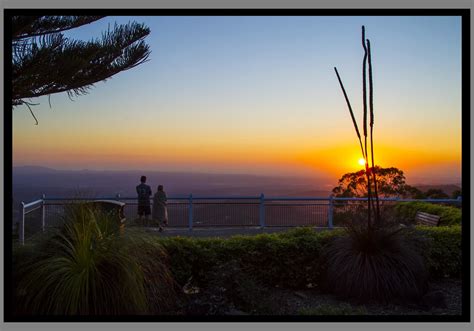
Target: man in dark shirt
144,194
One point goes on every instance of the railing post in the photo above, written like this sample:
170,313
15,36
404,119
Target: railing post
331,212
43,213
262,211
190,212
21,233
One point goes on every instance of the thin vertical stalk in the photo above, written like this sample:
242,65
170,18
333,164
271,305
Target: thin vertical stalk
364,102
371,105
364,87
350,111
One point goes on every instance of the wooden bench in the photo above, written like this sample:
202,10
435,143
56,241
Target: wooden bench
427,219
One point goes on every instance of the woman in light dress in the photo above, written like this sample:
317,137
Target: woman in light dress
160,211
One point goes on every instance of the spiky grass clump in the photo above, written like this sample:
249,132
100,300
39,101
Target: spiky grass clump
87,267
382,264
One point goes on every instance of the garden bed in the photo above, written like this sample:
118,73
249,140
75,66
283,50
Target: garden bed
281,273
313,302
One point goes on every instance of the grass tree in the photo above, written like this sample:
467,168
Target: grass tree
88,267
374,262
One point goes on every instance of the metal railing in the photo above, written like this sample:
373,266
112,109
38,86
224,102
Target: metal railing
228,211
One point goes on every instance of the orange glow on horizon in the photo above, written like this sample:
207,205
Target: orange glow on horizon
342,159
334,161
288,154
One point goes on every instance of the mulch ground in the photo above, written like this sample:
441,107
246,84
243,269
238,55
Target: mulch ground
293,303
287,302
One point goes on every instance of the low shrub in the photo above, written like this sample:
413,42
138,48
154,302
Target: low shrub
443,256
328,309
190,257
406,212
292,259
287,259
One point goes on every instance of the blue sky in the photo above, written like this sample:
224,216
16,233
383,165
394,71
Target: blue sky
261,87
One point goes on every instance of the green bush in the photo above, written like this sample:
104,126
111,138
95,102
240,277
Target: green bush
290,259
406,212
327,309
443,257
287,259
191,257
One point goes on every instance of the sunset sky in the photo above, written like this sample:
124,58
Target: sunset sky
259,95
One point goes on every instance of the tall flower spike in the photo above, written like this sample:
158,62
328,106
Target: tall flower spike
364,102
364,82
371,106
350,111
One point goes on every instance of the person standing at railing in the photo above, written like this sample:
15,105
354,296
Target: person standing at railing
160,211
144,194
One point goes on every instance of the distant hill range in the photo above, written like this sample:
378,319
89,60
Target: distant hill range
33,169
30,182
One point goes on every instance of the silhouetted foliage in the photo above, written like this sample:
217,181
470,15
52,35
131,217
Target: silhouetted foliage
45,62
383,264
414,192
390,182
456,194
434,193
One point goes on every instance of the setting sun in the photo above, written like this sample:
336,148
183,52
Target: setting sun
361,161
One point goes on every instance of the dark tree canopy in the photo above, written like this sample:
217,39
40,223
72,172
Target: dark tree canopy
414,192
390,183
434,193
45,62
456,194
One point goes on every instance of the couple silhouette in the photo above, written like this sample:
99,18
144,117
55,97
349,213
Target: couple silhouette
159,212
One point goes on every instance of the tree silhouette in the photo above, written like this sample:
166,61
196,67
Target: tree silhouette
45,62
390,182
456,194
414,193
434,193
